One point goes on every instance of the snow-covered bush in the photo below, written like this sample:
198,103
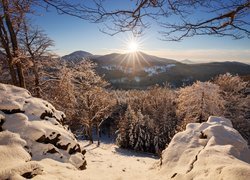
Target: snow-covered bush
37,125
210,150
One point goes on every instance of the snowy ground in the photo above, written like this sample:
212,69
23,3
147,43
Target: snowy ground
110,162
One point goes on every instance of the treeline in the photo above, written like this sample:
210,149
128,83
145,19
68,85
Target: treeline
153,116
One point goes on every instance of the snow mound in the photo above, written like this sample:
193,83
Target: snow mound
211,150
15,160
31,130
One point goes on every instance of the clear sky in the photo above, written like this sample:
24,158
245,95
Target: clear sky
72,34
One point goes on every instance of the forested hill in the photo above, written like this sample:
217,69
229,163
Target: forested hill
140,70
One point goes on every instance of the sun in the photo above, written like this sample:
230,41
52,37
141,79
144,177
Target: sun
132,46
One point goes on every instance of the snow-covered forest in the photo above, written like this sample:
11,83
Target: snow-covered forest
62,120
141,120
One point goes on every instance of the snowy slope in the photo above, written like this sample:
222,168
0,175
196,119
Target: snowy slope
31,130
108,162
220,153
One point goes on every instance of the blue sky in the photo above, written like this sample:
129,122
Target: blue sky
71,34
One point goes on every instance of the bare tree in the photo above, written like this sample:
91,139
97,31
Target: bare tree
95,105
199,101
61,91
12,15
36,44
178,19
237,102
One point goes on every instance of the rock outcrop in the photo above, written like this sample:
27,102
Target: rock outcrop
211,150
31,130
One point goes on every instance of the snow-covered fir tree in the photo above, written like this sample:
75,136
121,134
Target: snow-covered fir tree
123,139
154,120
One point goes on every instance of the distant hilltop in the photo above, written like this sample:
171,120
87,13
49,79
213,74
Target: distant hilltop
76,56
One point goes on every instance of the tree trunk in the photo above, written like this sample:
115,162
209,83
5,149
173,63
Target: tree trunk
98,135
20,75
37,81
201,108
12,73
90,134
5,44
14,43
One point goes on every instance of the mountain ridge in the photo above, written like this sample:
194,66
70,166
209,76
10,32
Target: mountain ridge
140,70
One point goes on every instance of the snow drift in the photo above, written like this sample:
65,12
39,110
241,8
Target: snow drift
211,150
32,130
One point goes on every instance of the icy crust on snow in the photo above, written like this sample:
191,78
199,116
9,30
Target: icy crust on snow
37,126
211,150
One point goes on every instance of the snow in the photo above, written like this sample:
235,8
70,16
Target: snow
222,154
154,70
126,70
110,162
31,132
14,157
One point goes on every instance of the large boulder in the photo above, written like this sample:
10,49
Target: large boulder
211,150
15,159
36,128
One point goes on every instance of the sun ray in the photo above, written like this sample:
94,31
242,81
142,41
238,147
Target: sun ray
143,58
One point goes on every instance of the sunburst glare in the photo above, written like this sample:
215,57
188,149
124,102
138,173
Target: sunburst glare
132,46
134,57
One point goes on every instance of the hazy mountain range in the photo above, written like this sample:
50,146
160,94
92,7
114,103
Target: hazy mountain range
140,70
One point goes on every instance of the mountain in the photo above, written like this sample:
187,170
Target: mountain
140,70
76,56
187,61
138,59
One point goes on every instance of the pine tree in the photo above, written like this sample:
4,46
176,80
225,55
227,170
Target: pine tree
155,119
125,126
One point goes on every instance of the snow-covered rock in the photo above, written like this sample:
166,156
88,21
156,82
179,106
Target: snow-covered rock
15,159
211,150
31,130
